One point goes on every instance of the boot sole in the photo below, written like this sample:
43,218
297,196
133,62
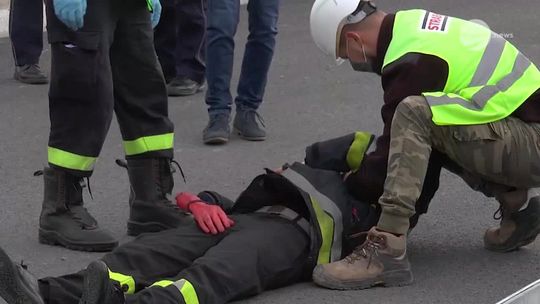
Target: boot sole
53,238
184,92
93,283
12,288
389,279
216,141
513,247
30,81
249,138
137,228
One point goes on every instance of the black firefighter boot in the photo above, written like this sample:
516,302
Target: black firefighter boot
151,209
64,221
98,288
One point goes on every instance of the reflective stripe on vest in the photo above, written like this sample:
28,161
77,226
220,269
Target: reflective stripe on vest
70,160
329,218
184,286
150,5
488,77
149,144
127,282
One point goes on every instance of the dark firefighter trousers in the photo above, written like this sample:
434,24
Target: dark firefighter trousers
259,252
109,64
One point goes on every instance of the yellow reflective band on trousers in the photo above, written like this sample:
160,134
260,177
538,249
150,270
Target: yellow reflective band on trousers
488,77
358,149
70,160
150,5
184,286
126,282
326,225
149,144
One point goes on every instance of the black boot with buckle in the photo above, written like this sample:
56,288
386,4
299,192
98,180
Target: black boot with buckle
151,208
64,221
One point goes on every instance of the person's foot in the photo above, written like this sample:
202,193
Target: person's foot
64,220
151,209
98,288
183,86
380,261
520,225
17,285
30,74
217,132
249,125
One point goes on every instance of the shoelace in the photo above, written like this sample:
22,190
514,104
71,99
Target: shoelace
167,203
33,68
257,115
499,214
370,248
123,164
215,119
90,224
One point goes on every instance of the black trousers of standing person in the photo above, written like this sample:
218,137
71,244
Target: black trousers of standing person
259,252
109,64
26,30
180,39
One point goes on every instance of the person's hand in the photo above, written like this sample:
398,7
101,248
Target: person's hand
210,218
156,12
70,12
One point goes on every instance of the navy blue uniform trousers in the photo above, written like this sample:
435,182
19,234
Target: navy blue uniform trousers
180,39
26,30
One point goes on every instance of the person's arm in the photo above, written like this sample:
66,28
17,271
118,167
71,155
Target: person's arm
412,75
342,154
209,217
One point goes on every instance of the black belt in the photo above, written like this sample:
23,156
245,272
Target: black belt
288,214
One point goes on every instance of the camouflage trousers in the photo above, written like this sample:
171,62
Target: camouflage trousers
495,157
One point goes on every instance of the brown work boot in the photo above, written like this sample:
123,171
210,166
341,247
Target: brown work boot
381,260
520,221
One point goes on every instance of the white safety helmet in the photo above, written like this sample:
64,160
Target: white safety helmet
328,18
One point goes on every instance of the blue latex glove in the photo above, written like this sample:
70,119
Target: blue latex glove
70,12
156,12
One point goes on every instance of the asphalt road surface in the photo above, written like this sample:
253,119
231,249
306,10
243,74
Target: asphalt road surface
307,99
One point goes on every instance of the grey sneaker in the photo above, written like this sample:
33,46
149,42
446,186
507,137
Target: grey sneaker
30,74
183,87
217,131
249,125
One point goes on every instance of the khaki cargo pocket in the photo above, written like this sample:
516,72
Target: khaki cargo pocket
75,64
485,132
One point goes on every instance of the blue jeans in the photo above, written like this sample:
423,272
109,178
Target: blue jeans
223,17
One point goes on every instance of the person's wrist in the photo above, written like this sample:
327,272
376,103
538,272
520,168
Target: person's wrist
195,202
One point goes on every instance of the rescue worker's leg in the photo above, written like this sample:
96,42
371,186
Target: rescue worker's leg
80,105
503,153
141,107
498,152
261,252
138,264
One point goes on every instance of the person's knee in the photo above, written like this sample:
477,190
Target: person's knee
414,106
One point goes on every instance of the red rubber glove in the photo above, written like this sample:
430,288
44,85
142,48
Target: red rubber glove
210,218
